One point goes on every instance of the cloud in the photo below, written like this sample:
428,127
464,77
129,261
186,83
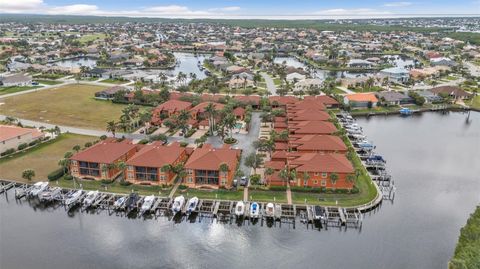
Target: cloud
228,9
397,4
352,12
12,6
78,9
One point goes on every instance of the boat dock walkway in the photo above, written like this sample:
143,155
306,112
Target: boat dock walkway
221,210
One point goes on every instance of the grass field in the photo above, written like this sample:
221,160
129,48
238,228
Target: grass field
267,196
48,82
114,187
70,105
14,89
475,102
211,194
92,37
43,159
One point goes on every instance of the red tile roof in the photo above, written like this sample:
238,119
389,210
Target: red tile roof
106,151
309,114
8,132
283,100
317,162
173,106
156,155
200,108
209,158
362,97
318,143
312,127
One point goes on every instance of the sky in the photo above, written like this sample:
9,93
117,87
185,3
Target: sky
244,9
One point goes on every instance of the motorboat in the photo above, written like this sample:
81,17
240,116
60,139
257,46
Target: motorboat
319,212
240,208
90,198
405,111
270,210
178,204
119,202
131,202
278,211
303,216
254,210
50,194
73,197
38,188
366,145
147,204
192,205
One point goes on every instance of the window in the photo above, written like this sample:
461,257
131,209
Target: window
317,174
162,178
130,168
324,175
146,173
305,182
315,182
90,169
206,177
190,180
224,182
324,183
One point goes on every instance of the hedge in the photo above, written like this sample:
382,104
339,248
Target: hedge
8,152
22,146
56,174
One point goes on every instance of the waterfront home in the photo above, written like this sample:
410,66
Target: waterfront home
11,137
153,164
308,83
396,74
326,100
317,143
359,63
429,96
210,167
237,82
393,98
443,61
168,109
101,160
109,93
311,127
332,171
453,91
16,80
361,100
295,77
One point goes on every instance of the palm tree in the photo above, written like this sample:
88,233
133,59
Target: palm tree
112,127
64,163
293,174
351,178
122,166
333,178
223,168
163,78
10,120
284,175
306,177
166,168
28,174
76,148
210,110
182,120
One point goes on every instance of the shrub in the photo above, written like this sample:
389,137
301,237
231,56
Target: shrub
183,144
230,140
68,177
278,188
106,181
143,141
125,183
22,146
8,152
103,137
56,174
190,132
182,187
354,190
33,143
306,189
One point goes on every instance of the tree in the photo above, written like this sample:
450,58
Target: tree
122,166
64,164
166,168
254,161
333,178
211,112
284,175
28,174
306,177
76,148
230,122
223,168
112,127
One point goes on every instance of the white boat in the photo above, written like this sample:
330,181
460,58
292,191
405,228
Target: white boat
90,198
50,194
147,203
73,197
270,210
254,210
38,188
178,204
240,208
119,202
278,211
192,205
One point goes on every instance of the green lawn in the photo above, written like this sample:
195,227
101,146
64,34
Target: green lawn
212,194
267,196
114,187
92,37
69,105
338,91
14,89
49,76
48,81
475,102
43,159
114,81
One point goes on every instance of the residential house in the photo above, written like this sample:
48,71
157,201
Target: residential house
16,80
109,93
153,164
204,167
393,98
453,91
361,100
13,136
101,160
396,74
168,109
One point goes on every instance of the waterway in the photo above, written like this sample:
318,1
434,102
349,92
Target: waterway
433,158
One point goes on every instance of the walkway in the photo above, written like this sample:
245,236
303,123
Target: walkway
175,187
270,84
289,195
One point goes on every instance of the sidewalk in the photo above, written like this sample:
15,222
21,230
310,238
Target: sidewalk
175,187
289,195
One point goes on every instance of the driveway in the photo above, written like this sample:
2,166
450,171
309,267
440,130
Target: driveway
270,84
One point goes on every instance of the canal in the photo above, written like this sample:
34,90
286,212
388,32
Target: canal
433,158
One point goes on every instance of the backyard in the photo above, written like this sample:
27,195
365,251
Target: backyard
70,105
42,159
